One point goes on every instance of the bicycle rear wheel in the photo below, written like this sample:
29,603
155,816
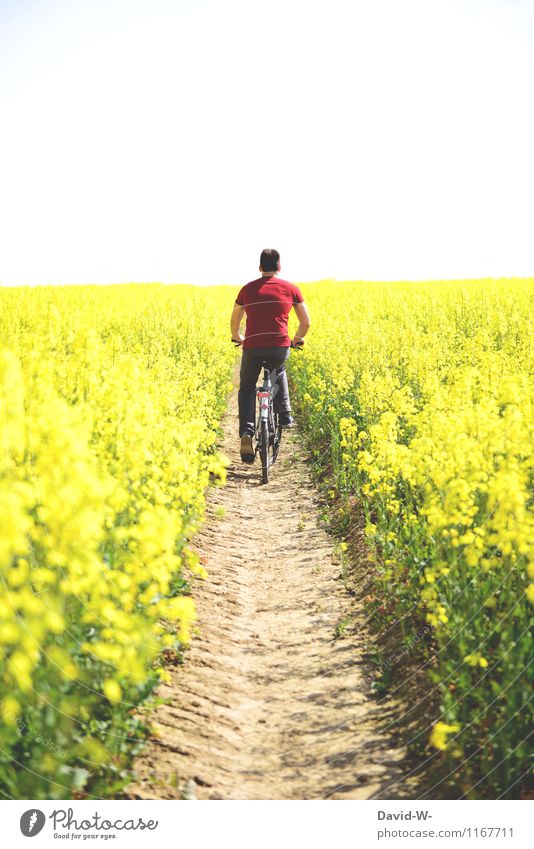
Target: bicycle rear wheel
264,451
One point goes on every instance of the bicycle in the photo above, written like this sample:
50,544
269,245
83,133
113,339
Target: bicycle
268,427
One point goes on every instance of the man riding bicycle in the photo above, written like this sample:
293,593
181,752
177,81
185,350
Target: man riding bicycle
267,302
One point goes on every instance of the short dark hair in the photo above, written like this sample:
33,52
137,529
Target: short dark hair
269,259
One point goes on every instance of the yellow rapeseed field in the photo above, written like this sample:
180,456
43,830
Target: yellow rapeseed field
418,402
109,403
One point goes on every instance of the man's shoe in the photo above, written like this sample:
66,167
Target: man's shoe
286,420
247,451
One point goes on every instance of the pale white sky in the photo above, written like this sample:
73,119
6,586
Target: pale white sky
171,140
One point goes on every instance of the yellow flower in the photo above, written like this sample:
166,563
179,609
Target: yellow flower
20,666
439,734
476,660
10,710
164,675
112,690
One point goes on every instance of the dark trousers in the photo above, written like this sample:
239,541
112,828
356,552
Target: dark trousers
250,369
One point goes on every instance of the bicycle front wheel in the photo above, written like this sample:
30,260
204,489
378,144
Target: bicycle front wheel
264,451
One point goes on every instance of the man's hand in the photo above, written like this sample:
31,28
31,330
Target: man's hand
239,339
297,342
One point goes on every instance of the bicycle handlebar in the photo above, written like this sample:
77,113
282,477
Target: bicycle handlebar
238,343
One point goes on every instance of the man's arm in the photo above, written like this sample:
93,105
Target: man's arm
235,322
304,322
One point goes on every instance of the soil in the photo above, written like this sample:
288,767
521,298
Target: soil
274,700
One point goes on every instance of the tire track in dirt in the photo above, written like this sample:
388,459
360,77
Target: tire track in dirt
271,703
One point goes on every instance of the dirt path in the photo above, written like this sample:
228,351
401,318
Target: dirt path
271,703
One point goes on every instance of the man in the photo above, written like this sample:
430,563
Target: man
267,303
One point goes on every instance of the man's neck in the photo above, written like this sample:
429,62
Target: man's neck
268,273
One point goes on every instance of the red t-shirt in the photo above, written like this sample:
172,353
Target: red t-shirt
267,302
